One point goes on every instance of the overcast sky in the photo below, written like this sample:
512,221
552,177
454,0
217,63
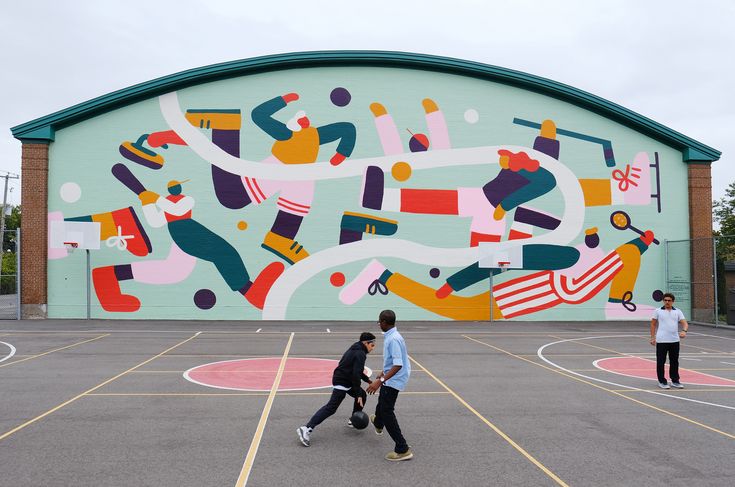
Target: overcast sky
671,61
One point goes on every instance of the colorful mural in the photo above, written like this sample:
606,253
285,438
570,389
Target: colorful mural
327,193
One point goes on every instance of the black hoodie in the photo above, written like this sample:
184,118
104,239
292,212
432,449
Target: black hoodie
350,369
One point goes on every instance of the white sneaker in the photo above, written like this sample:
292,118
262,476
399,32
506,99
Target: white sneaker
664,385
677,385
349,423
304,435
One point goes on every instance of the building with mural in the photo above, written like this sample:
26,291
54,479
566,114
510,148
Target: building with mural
329,185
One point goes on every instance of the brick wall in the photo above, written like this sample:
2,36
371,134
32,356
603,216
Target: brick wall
700,225
34,227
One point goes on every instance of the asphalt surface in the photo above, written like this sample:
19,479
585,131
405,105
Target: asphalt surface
105,403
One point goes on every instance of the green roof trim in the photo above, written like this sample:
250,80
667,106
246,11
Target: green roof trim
44,128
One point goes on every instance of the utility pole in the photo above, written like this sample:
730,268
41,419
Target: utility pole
8,176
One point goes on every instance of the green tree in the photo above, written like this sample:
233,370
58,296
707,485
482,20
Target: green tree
723,214
12,223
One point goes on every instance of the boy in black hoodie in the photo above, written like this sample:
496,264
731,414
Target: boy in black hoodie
346,379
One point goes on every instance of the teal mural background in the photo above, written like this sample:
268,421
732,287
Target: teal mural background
84,153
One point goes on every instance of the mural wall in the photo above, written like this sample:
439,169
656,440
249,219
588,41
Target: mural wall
330,193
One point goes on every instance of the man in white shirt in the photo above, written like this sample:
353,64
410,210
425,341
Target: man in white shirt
665,335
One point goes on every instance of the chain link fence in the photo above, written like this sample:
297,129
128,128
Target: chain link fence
701,274
10,276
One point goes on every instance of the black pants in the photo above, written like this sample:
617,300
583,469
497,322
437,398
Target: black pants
386,417
331,407
673,350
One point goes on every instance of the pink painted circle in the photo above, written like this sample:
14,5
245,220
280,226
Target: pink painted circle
258,374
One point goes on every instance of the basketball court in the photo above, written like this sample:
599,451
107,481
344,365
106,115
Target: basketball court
218,403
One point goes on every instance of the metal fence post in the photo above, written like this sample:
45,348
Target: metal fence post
17,272
666,265
714,267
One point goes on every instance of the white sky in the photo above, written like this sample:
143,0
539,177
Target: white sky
671,61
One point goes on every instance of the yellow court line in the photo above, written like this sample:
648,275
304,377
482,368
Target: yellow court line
651,406
601,348
687,389
709,350
239,394
493,427
52,351
177,394
687,345
66,403
250,457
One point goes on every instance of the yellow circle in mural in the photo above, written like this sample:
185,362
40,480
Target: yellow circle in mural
241,225
401,171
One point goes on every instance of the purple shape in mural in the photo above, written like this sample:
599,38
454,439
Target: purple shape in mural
340,97
204,299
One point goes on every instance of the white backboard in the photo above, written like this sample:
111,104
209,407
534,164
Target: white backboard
85,234
492,257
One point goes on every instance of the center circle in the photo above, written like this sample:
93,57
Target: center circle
258,374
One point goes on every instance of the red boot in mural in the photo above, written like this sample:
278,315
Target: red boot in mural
258,290
107,288
128,227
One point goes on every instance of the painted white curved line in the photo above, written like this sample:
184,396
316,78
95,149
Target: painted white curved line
188,377
204,148
280,294
540,355
12,352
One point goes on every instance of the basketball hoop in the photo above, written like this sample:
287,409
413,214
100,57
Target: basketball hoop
503,265
71,246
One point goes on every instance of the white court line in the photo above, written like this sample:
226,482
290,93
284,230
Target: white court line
540,355
12,352
693,359
713,336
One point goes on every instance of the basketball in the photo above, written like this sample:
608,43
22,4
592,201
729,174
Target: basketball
360,420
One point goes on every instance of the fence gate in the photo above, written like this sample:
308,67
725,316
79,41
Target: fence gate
10,276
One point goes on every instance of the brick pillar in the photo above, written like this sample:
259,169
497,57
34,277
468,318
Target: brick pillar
700,227
34,228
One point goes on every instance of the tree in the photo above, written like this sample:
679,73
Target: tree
12,223
723,214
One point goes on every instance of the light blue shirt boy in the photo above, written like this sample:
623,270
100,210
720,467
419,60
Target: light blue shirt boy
395,353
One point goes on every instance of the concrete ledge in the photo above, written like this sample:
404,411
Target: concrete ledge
33,312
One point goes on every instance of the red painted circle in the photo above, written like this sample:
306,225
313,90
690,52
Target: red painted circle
646,369
258,374
337,279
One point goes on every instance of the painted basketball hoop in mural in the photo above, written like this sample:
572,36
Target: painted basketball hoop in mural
71,246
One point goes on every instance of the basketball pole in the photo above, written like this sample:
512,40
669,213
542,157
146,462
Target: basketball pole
89,296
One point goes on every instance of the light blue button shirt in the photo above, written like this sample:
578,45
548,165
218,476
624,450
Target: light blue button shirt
395,353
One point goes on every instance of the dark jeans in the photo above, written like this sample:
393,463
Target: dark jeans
386,417
673,350
331,407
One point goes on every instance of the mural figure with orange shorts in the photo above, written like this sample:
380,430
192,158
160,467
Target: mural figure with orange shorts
191,241
296,142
